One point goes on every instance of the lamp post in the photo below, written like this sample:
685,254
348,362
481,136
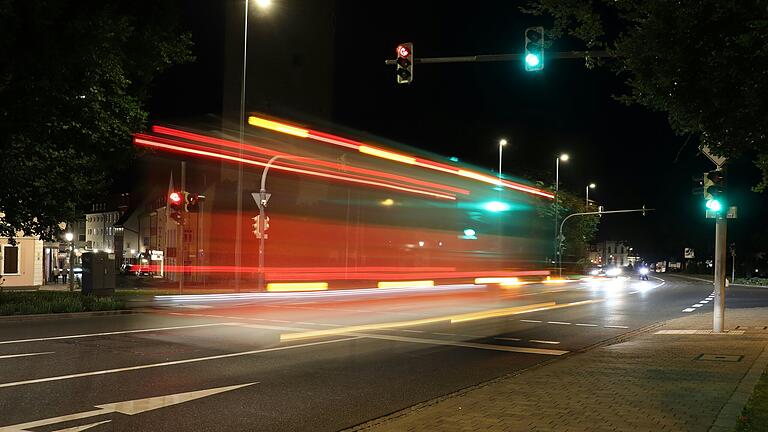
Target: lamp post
502,143
563,157
261,4
69,237
589,186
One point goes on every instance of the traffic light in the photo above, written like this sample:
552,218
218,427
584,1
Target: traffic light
192,202
714,190
256,231
175,206
404,63
534,49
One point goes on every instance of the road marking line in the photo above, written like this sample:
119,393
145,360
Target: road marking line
689,309
24,355
697,305
505,348
471,336
704,301
530,321
169,363
616,326
83,427
412,331
586,325
544,341
558,322
633,292
699,332
508,339
114,333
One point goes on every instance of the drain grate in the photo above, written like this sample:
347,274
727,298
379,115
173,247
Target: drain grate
719,357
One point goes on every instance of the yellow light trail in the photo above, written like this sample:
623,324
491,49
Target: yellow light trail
297,286
386,154
279,127
406,284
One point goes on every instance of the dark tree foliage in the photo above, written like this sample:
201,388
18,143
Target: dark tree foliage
702,62
74,75
579,231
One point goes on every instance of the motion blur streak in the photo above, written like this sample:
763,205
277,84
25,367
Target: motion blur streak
278,127
404,284
473,316
497,280
332,139
268,152
362,293
300,286
138,140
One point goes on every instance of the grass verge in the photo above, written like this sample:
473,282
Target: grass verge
44,302
754,417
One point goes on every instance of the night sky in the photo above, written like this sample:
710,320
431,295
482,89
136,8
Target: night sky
464,109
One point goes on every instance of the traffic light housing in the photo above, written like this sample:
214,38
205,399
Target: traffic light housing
176,206
404,63
534,49
714,190
256,228
192,202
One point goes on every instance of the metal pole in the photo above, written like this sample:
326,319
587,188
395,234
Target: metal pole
586,203
180,257
238,219
721,225
501,147
733,267
71,265
557,189
262,204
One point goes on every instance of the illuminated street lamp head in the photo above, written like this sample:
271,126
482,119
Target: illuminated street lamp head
263,4
564,157
502,142
592,185
69,236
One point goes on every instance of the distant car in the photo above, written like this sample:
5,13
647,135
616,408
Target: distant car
597,271
614,272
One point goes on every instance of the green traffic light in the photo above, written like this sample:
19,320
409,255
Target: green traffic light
532,60
714,205
496,206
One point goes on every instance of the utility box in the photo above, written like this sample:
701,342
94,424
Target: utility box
98,273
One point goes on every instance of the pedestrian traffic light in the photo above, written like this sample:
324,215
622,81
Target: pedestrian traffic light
404,63
175,206
534,49
714,190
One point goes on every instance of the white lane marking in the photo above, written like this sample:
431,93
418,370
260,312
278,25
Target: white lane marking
470,336
24,355
465,344
699,332
704,301
586,325
633,292
558,322
83,427
131,407
616,326
412,331
168,363
508,339
689,309
697,305
543,341
530,321
85,335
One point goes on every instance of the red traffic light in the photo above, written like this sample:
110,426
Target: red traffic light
175,197
403,51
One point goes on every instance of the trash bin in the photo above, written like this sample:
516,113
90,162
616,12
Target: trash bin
98,273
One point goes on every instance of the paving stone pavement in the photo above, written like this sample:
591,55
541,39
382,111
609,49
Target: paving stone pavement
652,382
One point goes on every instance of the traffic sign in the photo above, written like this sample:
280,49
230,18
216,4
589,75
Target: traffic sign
257,197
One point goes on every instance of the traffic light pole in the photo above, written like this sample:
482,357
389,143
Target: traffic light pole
721,225
561,238
180,249
506,57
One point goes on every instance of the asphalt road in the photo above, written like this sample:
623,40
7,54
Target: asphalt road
319,362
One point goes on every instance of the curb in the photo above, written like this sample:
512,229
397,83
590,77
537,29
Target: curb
40,317
425,404
710,281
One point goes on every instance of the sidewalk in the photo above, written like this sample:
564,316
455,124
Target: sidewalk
653,382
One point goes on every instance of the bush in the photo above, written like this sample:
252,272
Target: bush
27,303
752,281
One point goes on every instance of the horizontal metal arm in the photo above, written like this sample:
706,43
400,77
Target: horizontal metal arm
506,57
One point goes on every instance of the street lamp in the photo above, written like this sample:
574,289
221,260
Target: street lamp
563,157
502,143
263,5
69,237
589,186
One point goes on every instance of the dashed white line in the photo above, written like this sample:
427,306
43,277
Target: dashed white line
697,305
586,325
689,309
616,326
558,322
530,321
544,342
444,334
508,339
24,355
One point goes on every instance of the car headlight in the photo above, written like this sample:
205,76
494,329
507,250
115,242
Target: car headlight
613,272
594,272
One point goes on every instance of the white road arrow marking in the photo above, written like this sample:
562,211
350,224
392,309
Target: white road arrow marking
83,427
130,407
